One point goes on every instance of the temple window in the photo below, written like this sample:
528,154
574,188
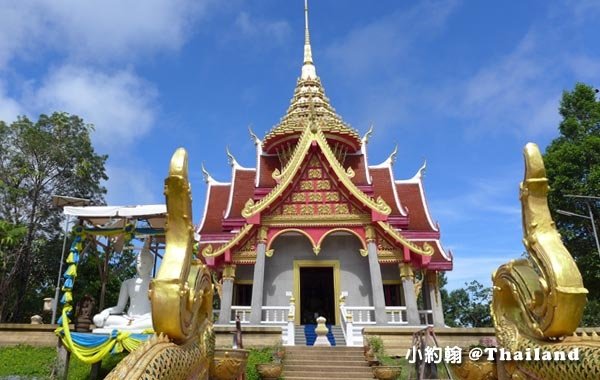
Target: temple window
393,294
242,294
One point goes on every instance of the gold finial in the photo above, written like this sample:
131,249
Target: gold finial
308,69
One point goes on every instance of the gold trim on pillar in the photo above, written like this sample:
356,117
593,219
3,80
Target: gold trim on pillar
262,234
229,272
243,282
335,264
406,271
369,234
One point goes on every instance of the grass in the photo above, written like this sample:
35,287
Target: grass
29,362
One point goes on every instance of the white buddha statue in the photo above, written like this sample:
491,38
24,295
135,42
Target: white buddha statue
135,291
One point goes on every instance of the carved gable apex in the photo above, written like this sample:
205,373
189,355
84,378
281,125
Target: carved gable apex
317,197
313,141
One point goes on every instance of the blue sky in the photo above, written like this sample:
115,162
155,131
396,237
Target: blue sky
463,85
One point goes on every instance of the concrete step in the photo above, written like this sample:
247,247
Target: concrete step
331,367
328,357
317,374
294,377
324,348
316,363
312,363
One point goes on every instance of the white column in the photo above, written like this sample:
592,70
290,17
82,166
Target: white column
227,294
435,299
257,283
408,286
376,280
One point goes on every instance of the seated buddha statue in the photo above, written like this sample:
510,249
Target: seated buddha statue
135,292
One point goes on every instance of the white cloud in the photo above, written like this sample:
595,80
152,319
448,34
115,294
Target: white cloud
516,94
95,31
387,41
585,68
132,186
467,269
267,30
485,197
9,108
119,104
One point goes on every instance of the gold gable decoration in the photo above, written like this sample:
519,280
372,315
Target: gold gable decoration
209,251
426,250
313,133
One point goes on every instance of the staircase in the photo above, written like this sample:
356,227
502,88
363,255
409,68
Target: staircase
315,363
335,336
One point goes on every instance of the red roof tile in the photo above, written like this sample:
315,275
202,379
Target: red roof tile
243,189
217,198
357,163
267,165
383,186
410,195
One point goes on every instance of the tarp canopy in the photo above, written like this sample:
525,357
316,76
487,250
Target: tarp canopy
141,212
116,216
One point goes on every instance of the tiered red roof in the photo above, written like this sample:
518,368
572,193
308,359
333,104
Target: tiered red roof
314,166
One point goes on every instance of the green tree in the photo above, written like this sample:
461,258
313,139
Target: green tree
468,307
37,160
573,167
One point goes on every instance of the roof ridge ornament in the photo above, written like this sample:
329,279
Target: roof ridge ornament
389,162
393,155
255,139
368,134
207,177
230,157
422,169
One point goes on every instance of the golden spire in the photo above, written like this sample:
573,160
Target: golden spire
308,69
309,104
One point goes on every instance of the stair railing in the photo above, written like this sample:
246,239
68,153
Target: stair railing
347,327
290,338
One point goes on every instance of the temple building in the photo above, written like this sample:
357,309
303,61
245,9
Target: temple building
314,229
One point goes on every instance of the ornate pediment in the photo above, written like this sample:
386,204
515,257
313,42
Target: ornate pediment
316,197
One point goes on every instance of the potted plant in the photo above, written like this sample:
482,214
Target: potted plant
388,368
384,367
273,369
469,368
374,347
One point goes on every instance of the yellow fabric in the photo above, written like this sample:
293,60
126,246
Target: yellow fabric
91,355
72,270
68,296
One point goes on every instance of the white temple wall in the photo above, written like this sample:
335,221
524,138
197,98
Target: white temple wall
354,269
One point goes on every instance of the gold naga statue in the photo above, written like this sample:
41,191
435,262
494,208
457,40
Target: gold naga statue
538,301
181,296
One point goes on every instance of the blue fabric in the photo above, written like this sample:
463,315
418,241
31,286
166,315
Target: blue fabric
89,340
68,283
95,340
311,335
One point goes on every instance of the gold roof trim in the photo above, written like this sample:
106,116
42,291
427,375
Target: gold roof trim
286,176
426,250
209,251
